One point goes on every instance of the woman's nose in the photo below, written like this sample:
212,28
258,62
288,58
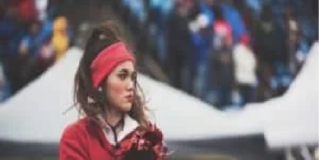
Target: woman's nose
130,85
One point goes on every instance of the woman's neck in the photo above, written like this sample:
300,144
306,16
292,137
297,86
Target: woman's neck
113,117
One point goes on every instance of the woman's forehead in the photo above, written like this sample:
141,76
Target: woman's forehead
127,65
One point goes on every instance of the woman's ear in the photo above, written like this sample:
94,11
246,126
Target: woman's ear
102,95
90,100
100,89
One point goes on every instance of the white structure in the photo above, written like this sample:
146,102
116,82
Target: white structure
36,113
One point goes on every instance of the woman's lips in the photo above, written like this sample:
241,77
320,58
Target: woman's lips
129,98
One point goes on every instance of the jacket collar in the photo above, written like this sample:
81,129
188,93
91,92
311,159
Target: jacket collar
129,126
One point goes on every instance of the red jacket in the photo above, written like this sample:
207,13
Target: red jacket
85,140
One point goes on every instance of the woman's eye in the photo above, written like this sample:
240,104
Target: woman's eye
122,76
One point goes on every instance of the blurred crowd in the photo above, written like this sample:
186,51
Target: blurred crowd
32,37
227,52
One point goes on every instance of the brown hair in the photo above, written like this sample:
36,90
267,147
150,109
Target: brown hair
101,37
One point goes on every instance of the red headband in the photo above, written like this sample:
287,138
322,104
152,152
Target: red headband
107,60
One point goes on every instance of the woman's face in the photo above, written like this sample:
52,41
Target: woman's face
121,86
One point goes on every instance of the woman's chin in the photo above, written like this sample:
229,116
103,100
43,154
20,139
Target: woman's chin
126,107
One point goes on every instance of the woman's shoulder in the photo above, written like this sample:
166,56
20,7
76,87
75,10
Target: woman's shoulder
74,140
76,128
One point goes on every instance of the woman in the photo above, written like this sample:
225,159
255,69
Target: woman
115,125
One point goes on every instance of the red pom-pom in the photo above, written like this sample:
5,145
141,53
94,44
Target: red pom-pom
154,136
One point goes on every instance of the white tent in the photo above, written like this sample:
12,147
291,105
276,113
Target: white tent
35,113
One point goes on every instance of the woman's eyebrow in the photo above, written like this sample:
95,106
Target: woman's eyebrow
124,70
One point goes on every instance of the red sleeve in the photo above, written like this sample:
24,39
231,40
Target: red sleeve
72,145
